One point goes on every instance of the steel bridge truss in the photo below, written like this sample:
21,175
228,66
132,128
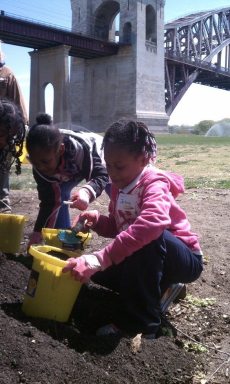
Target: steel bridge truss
197,49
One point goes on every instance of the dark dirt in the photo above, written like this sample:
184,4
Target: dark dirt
194,349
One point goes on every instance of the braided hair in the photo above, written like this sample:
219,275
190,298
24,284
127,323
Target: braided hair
43,134
134,136
12,122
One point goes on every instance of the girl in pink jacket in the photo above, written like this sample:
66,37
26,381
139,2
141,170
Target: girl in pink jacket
153,246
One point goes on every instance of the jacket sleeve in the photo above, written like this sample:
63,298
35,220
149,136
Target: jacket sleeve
50,200
106,226
95,172
149,225
15,93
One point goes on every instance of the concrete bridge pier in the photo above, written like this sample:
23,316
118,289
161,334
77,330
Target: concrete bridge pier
130,84
50,66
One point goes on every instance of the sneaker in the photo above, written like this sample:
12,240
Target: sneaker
108,329
148,336
4,207
5,210
173,293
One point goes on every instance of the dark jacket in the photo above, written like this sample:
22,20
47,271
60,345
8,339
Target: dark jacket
80,161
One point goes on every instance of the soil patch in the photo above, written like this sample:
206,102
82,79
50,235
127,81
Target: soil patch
193,346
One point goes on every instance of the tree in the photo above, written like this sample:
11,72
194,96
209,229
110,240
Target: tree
202,127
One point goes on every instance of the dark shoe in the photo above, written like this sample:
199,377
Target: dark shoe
112,330
174,293
181,295
148,336
5,210
5,207
108,329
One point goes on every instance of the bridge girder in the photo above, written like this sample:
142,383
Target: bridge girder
26,33
191,44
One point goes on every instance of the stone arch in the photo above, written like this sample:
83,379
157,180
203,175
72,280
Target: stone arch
104,17
50,65
127,33
151,24
97,85
48,89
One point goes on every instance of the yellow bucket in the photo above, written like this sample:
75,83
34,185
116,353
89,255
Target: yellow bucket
51,237
11,232
50,293
23,157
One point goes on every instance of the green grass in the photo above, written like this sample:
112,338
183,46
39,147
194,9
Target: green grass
25,181
203,161
192,140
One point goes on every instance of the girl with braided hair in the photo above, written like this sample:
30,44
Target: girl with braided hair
61,160
153,247
12,134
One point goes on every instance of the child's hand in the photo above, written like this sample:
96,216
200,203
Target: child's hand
90,219
81,199
83,267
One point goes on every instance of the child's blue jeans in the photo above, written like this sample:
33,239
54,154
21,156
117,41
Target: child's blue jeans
63,217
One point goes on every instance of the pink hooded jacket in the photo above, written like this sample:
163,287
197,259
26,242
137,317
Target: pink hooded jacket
140,213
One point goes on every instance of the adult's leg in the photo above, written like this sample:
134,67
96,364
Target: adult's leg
4,192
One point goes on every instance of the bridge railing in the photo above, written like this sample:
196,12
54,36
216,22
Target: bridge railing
31,20
55,27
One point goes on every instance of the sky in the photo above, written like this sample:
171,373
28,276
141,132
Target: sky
199,102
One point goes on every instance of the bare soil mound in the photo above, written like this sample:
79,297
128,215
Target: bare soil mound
193,346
